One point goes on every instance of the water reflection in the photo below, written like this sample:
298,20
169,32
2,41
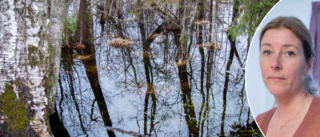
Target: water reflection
135,82
144,92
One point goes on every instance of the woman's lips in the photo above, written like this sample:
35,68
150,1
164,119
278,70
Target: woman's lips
276,78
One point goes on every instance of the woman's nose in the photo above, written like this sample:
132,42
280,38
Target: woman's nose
276,63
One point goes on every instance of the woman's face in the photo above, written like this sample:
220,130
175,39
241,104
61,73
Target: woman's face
282,62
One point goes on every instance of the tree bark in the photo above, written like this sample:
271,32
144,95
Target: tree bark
84,35
29,53
146,43
189,110
233,50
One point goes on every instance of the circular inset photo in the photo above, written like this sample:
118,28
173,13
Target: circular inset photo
282,71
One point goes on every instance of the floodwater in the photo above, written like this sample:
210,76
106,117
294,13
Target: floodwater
142,89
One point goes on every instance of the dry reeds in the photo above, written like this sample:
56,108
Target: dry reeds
121,43
202,22
208,45
155,35
83,57
211,45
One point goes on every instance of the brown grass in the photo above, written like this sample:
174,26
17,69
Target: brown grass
202,22
208,45
121,43
211,45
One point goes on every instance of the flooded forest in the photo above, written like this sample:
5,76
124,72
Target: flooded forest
157,68
152,68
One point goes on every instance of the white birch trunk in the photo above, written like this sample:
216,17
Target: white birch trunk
29,57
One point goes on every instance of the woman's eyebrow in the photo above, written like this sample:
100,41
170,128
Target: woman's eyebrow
290,45
265,44
284,46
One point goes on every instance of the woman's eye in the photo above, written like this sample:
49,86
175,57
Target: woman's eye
289,53
266,52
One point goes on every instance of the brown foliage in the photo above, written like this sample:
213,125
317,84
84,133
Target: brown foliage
202,22
78,45
120,43
211,45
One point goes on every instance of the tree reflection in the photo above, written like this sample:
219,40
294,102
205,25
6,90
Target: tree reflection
155,69
188,106
85,28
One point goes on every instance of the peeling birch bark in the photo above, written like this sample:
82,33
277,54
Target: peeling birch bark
29,56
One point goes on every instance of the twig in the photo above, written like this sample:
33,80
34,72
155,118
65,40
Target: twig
126,132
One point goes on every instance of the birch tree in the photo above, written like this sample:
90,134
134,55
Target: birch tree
30,37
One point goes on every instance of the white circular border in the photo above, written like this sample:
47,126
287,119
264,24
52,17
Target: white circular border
260,100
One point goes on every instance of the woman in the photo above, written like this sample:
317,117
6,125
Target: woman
286,56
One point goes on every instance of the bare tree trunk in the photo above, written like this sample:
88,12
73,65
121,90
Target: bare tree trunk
188,106
85,36
232,53
146,42
84,33
187,17
92,73
57,14
202,70
29,53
